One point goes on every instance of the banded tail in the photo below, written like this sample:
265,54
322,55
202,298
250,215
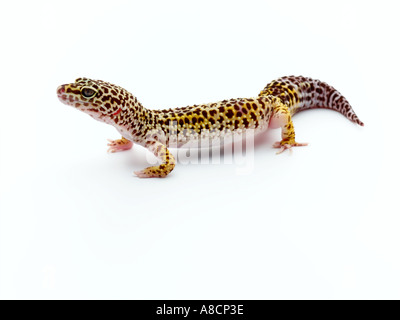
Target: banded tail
301,93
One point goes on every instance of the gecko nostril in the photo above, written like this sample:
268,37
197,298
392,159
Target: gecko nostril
60,90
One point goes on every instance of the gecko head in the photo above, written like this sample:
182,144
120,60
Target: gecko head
101,100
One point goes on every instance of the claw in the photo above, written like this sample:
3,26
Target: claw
119,145
144,174
141,174
288,146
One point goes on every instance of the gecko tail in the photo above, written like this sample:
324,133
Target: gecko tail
301,93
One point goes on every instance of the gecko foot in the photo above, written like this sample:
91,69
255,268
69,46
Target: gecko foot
160,171
284,145
119,145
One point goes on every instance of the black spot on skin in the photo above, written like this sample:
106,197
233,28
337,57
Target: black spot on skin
204,113
221,109
194,120
230,114
187,120
69,90
212,121
237,124
238,114
213,113
253,116
237,107
246,123
319,90
115,100
181,122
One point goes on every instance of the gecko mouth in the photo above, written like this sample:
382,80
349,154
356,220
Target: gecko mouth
77,103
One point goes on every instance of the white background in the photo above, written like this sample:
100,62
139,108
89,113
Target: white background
320,223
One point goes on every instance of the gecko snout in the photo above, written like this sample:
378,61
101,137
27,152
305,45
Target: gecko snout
60,90
61,94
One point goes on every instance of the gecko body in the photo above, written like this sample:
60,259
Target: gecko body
157,130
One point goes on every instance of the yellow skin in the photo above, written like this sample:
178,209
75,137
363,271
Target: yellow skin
158,129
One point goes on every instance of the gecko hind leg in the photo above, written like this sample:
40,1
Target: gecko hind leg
161,152
281,118
119,145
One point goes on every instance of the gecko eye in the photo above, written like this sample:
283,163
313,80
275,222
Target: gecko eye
88,92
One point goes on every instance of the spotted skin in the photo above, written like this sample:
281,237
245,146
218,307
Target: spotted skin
161,152
157,130
301,93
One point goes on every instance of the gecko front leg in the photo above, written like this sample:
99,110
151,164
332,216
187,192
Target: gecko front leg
161,152
281,118
119,145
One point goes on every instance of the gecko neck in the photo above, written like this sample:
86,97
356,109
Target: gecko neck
134,121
